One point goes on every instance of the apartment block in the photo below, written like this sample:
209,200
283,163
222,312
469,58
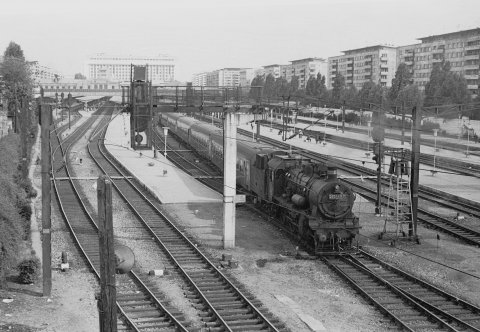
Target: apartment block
460,48
200,79
224,77
246,76
304,68
40,72
273,70
373,63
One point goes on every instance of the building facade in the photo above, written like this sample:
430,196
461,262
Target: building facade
374,63
246,76
224,77
199,79
460,48
161,69
274,70
42,73
304,68
81,87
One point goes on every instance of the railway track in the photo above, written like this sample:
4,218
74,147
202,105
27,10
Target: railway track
187,159
133,291
413,304
222,303
449,164
430,219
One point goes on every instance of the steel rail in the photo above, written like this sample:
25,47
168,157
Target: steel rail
78,133
370,293
190,244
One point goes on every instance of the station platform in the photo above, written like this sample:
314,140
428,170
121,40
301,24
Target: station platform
168,183
459,185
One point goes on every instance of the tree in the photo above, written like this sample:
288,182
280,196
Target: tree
320,86
269,87
79,76
410,96
370,93
18,86
316,86
445,87
311,87
14,50
338,86
281,87
402,78
294,85
350,96
256,87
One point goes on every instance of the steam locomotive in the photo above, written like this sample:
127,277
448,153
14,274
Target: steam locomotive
305,196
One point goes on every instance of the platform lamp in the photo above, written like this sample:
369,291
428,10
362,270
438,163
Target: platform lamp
337,121
468,138
271,118
165,133
435,132
369,123
325,130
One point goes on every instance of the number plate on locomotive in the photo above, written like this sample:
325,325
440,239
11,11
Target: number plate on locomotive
336,196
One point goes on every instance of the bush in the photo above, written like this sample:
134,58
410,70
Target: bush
25,210
28,270
26,184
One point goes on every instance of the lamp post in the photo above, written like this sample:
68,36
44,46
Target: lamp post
271,119
435,131
165,134
468,138
294,121
411,133
337,121
325,130
369,123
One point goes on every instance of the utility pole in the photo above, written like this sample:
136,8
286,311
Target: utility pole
343,117
24,135
414,179
403,122
229,180
46,114
107,300
378,135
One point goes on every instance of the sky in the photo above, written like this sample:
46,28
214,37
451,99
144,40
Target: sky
204,35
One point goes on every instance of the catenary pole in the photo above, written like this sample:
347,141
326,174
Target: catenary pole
414,178
107,300
46,117
229,181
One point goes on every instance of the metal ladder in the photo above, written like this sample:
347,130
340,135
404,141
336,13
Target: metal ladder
399,204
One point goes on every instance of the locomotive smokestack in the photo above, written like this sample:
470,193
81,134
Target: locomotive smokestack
331,173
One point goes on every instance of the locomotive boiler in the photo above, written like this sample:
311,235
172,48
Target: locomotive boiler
304,196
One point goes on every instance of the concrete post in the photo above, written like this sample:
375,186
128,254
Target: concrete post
229,180
46,117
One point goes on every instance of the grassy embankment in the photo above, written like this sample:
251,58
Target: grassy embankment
15,210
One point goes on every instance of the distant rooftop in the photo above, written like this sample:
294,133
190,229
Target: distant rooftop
475,31
306,59
368,49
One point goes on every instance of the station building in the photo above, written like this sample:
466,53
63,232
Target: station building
161,68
